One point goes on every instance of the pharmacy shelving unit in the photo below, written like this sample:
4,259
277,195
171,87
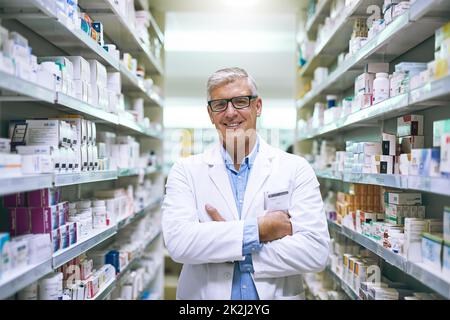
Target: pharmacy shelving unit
419,271
24,277
408,37
345,287
49,36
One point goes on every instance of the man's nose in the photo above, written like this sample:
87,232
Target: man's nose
230,110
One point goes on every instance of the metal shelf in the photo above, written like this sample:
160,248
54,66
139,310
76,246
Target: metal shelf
121,32
398,37
329,174
73,41
134,87
337,39
419,271
387,180
386,109
128,220
131,126
66,179
430,8
18,280
333,225
156,28
435,281
35,182
24,88
322,11
131,82
85,109
127,172
25,183
431,94
388,255
345,287
65,255
105,291
436,185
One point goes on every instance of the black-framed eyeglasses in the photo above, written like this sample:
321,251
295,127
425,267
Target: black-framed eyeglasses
240,102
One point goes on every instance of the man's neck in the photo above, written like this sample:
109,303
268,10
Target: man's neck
238,149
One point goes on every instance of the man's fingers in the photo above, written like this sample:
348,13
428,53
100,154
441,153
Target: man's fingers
213,213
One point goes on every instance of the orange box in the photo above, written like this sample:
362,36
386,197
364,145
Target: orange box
365,189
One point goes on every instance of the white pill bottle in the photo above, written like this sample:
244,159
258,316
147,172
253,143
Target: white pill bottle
380,87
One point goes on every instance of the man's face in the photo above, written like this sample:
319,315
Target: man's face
232,122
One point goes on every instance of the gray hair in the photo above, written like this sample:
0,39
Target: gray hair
228,75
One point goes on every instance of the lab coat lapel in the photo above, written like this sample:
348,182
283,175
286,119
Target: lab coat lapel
219,176
262,167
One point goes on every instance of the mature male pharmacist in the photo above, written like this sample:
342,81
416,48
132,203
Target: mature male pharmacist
244,218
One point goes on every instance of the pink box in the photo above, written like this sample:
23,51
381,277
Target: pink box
14,200
19,221
43,198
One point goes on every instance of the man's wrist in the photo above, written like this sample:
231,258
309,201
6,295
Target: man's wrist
251,241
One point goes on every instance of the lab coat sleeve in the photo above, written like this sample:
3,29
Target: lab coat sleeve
187,239
308,248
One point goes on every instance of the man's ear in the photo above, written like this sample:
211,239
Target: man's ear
258,107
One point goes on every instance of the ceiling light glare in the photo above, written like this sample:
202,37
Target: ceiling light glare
240,3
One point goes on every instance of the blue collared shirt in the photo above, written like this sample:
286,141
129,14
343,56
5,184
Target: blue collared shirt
243,286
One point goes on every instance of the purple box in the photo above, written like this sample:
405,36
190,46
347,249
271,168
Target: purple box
43,198
14,200
44,220
19,221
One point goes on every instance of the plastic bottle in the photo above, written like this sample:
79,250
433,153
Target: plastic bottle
99,215
51,287
331,101
380,87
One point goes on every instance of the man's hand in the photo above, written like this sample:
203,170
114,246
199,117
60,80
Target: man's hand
272,226
213,213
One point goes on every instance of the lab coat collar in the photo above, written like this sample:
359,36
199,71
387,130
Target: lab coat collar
258,175
213,155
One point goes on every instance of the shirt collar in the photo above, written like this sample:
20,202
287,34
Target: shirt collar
248,160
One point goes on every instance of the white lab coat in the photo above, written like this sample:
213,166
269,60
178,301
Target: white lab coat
206,248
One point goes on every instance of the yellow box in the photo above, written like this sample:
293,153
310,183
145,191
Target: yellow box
441,68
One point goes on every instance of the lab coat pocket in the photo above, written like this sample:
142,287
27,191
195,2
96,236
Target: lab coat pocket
278,199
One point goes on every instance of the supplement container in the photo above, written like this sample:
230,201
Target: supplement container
51,287
381,87
99,215
84,204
